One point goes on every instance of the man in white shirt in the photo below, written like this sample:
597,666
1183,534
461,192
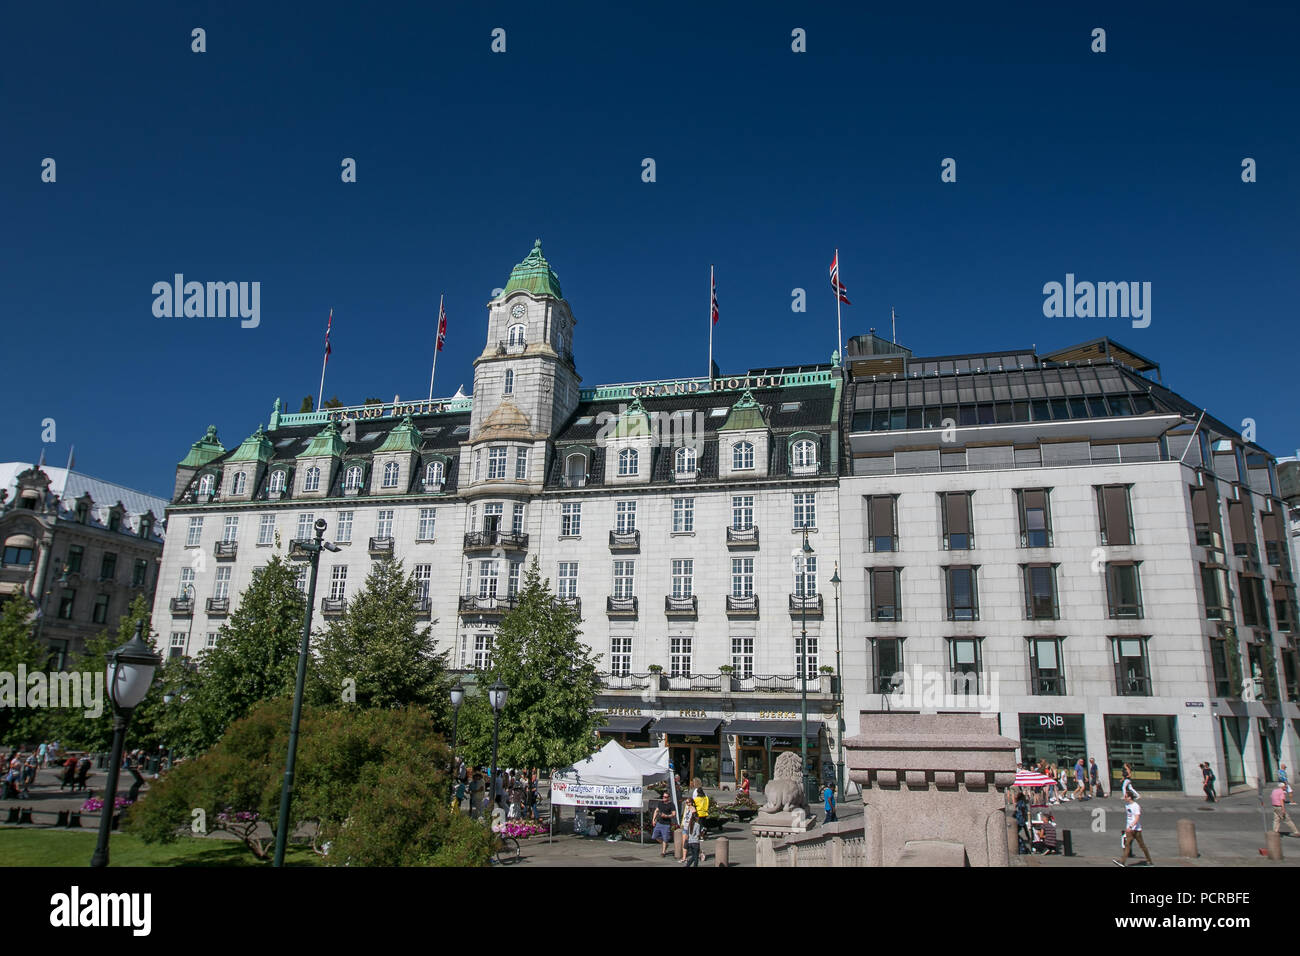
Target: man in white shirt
1132,830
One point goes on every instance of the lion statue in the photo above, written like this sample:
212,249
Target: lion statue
784,792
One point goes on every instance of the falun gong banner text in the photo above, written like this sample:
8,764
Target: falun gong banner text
596,795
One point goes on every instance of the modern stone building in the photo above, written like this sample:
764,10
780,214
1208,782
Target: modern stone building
79,548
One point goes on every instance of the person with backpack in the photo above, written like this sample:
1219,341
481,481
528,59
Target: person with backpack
1022,822
828,802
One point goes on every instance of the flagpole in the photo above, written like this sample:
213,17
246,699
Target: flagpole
437,343
70,451
893,327
710,374
321,394
839,328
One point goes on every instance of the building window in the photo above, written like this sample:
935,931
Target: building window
1254,610
194,532
521,464
75,554
1115,514
22,556
1241,525
140,573
1132,677
266,529
964,659
885,604
510,382
99,613
354,477
482,651
956,510
1123,590
625,517
683,577
805,509
679,657
212,639
338,582
683,515
66,601
305,523
882,531
804,454
146,526
384,524
805,575
488,574
627,461
83,513
311,480
1219,650
186,589
742,657
1214,591
108,566
575,471
517,519
206,485
888,662
742,456
1046,667
1040,592
241,483
177,648
343,529
566,581
963,598
570,519
221,589
391,473
809,663
496,464
423,577
742,512
425,529
230,530
685,461
623,578
1284,607
278,481
1205,513
115,520
478,464
742,577
1035,517
300,579
620,656
515,337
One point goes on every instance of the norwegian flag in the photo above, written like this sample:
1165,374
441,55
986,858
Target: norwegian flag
836,285
714,296
328,325
442,325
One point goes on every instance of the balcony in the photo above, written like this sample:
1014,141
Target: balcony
225,550
351,491
685,607
491,604
695,682
182,605
820,687
573,603
483,540
810,604
333,606
381,547
621,607
742,605
635,682
422,607
625,540
742,537
574,481
685,474
432,487
218,606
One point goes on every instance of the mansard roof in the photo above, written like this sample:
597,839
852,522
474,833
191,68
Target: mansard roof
534,275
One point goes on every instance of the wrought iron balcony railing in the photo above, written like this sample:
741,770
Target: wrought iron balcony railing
806,604
625,540
491,604
333,605
218,605
742,605
681,606
743,537
621,606
478,540
225,550
182,605
381,546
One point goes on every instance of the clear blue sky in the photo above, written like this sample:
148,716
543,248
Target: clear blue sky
225,166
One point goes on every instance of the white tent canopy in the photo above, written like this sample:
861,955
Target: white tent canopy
615,766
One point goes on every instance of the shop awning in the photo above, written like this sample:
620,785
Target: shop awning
772,728
704,727
624,725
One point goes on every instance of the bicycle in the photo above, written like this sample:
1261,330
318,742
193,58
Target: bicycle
506,851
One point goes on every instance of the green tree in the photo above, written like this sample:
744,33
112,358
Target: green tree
307,405
332,402
18,647
538,653
378,649
256,658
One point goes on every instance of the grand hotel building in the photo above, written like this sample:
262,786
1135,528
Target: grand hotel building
1070,537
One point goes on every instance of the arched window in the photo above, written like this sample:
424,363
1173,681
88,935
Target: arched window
804,454
627,461
742,455
206,484
510,381
433,473
515,337
390,474
575,471
241,482
685,461
311,481
277,480
354,476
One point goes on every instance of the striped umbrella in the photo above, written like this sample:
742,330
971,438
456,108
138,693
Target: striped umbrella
1032,778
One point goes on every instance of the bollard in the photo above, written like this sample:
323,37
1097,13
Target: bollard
1274,843
1187,839
62,818
679,851
722,851
1067,843
1013,837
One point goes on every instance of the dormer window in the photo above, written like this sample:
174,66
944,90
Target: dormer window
433,473
575,470
240,484
391,471
352,479
115,521
742,455
803,455
510,382
146,526
207,484
311,480
627,461
277,481
515,338
685,461
83,512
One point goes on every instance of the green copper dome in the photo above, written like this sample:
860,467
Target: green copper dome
256,447
534,275
404,437
745,414
634,422
204,450
328,443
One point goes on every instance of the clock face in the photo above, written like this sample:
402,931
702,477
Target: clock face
518,310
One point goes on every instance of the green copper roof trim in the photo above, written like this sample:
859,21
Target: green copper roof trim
256,447
403,437
534,275
275,416
204,450
328,443
634,422
361,413
695,386
745,415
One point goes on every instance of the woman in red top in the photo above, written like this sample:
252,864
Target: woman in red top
744,782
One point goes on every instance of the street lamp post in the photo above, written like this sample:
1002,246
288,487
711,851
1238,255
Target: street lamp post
803,661
497,695
839,690
457,698
189,590
313,549
130,672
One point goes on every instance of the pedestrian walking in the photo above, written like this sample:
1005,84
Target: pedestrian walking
663,820
1080,776
1281,775
1207,782
1126,786
1094,778
41,751
828,802
475,795
1024,837
693,837
1279,811
1132,829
